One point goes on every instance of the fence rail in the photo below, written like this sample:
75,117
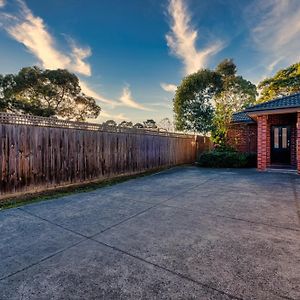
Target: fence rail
41,153
7,118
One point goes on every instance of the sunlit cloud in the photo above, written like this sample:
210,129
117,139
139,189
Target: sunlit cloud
127,100
168,87
2,3
86,89
162,104
275,30
32,32
105,115
182,39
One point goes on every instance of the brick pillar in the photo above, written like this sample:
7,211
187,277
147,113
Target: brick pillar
262,143
298,143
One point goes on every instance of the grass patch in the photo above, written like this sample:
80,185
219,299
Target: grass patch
69,190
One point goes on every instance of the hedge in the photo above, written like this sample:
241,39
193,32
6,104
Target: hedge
227,159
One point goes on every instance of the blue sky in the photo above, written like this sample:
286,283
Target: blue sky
130,55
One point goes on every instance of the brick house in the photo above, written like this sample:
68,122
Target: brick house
272,130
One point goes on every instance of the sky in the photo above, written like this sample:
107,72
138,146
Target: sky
130,55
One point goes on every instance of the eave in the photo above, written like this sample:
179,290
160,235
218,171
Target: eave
277,111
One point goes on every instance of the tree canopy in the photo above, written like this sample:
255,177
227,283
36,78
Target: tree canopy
110,123
192,103
46,93
284,83
236,94
166,124
126,124
150,124
205,101
138,125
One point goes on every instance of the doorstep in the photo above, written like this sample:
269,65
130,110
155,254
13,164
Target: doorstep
282,170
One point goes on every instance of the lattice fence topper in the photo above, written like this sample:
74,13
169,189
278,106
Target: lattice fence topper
17,119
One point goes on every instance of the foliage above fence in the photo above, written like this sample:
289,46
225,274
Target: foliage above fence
6,118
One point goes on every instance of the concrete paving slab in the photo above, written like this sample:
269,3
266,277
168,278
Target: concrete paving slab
244,259
92,271
160,187
88,214
262,208
25,240
226,229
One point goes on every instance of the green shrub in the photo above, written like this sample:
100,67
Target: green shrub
227,159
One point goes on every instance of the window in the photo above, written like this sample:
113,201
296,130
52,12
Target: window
284,138
276,137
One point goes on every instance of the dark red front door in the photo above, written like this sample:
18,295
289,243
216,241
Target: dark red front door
280,145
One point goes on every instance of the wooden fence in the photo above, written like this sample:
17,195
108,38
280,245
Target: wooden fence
37,153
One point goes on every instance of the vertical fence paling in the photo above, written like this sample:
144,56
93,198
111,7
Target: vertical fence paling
40,153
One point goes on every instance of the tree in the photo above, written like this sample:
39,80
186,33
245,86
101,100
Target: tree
46,93
166,124
226,67
284,83
110,123
236,94
150,124
193,101
11,102
138,125
205,101
126,124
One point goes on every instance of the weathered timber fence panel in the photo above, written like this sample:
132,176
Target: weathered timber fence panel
40,153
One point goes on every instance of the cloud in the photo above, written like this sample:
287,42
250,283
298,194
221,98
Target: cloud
127,100
32,32
275,29
106,115
162,104
2,3
182,39
86,89
168,87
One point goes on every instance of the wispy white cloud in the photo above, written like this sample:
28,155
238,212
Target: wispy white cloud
168,87
106,115
32,32
127,100
275,30
182,39
162,104
2,3
86,89
79,54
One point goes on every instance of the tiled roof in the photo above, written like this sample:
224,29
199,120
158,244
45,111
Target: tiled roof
283,102
241,117
291,101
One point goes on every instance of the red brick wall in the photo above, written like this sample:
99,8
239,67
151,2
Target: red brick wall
298,142
257,137
262,143
243,137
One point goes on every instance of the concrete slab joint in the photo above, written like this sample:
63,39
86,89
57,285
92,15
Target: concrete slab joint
185,233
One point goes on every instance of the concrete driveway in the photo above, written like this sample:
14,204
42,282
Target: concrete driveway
186,233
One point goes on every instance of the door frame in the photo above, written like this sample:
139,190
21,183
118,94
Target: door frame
275,153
